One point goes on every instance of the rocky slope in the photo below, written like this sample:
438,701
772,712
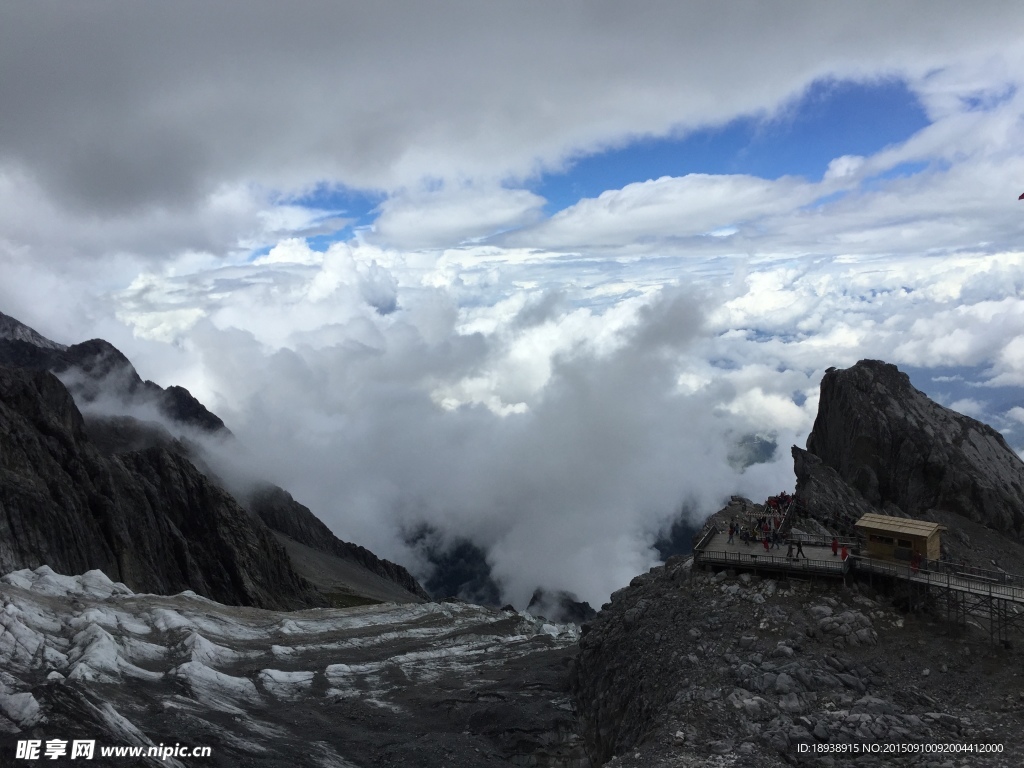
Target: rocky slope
283,514
904,453
686,668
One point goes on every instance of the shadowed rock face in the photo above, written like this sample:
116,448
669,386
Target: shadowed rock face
151,480
96,366
825,496
149,517
895,446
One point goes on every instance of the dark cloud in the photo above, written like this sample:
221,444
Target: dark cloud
113,106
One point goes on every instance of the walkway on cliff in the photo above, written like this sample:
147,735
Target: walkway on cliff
1012,591
714,549
996,598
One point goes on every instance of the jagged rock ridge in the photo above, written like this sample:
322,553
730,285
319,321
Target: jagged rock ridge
149,518
13,330
125,495
903,453
97,367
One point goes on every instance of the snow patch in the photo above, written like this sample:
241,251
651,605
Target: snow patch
21,708
286,685
216,689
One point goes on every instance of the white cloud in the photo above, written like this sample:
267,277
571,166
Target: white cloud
685,207
435,218
292,250
843,167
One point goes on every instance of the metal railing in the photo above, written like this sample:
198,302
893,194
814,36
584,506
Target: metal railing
822,541
704,538
948,579
749,560
973,572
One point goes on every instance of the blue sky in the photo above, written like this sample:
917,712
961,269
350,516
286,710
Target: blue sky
829,119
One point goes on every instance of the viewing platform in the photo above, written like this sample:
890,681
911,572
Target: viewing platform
995,598
714,549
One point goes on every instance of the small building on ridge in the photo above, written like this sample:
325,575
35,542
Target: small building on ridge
899,538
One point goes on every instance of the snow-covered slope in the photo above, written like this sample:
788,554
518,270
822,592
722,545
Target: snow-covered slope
418,684
16,331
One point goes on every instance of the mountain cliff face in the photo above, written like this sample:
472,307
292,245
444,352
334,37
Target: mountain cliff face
96,366
895,446
125,496
282,513
148,517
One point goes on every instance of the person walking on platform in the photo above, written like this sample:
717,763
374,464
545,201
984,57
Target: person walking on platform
732,532
789,552
800,549
846,553
764,540
835,546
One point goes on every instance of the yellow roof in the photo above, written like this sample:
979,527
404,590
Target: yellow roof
898,525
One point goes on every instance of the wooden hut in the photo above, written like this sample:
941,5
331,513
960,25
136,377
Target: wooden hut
899,538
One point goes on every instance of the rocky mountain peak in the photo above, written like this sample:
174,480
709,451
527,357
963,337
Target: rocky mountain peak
13,330
907,454
96,368
88,481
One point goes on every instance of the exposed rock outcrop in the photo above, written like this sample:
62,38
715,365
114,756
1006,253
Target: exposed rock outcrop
97,367
13,330
824,495
894,446
149,518
686,667
560,606
689,668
